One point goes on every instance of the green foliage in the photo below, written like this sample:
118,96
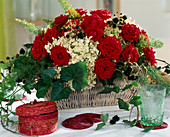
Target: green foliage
148,129
29,26
104,119
76,72
100,125
130,85
109,90
59,91
65,5
131,123
154,73
48,74
135,101
122,104
48,21
155,43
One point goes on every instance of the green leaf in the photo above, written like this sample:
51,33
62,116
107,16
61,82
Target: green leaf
104,118
59,91
28,45
122,104
131,123
76,72
109,90
42,89
148,129
130,85
11,101
135,101
28,88
48,74
3,109
100,125
135,84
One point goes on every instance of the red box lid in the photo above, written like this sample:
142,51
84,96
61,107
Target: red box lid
36,108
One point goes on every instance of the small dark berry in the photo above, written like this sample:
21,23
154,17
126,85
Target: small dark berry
12,58
64,29
109,22
120,13
112,122
124,17
67,36
17,55
77,26
7,58
9,68
114,25
1,62
22,51
115,20
116,118
80,35
132,77
128,71
120,27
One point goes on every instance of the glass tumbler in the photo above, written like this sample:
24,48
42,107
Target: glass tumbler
153,98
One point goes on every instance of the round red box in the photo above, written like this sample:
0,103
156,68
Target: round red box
37,118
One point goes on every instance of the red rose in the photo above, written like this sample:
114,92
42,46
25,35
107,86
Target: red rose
96,33
61,20
51,33
103,13
38,50
60,56
130,32
149,54
130,54
144,33
81,11
110,47
104,68
93,20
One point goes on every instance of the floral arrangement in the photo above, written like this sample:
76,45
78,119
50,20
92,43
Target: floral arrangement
78,49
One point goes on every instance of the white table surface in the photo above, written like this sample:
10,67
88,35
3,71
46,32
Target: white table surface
117,130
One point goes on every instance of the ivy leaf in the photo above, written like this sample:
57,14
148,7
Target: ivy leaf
76,72
131,123
100,125
148,129
122,104
42,88
104,118
135,101
109,90
167,70
130,85
48,74
28,45
59,91
28,88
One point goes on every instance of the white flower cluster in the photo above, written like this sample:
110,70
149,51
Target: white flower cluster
80,50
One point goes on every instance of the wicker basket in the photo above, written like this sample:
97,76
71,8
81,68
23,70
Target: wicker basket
89,98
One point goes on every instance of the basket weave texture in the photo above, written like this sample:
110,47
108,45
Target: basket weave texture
89,98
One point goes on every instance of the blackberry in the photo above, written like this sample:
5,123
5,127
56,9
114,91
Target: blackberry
114,25
80,35
132,77
124,17
77,26
22,51
128,71
67,36
112,122
7,58
64,29
109,22
116,118
115,20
